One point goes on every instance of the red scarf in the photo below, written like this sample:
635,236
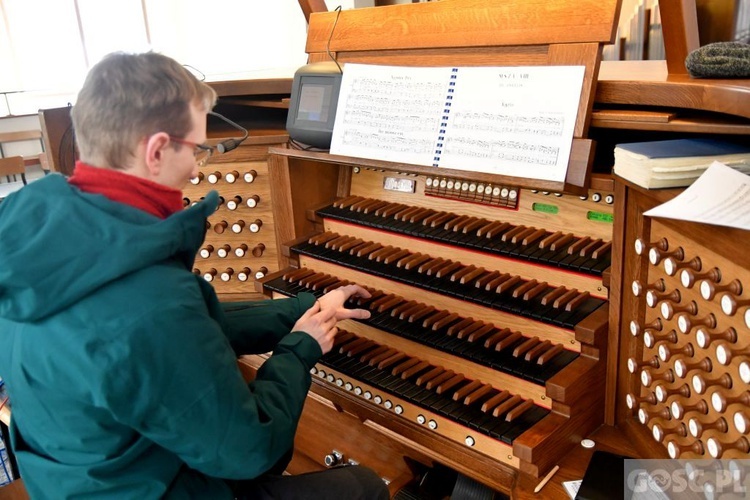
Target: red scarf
156,199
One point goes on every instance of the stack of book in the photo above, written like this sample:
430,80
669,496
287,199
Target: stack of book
678,162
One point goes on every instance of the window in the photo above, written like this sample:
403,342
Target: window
47,46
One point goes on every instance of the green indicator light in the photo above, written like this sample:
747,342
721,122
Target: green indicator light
543,207
601,217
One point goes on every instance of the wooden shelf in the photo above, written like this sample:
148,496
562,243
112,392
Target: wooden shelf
579,156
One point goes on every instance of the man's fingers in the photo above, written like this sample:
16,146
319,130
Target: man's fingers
355,314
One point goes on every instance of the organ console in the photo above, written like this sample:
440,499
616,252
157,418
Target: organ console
510,317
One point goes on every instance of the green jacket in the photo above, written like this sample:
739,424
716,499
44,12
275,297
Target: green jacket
121,363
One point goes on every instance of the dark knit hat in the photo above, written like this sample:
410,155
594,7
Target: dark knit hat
720,60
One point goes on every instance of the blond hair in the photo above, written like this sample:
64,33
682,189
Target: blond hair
127,97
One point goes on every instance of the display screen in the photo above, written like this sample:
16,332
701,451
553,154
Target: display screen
314,102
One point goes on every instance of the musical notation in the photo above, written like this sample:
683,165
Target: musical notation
514,151
515,121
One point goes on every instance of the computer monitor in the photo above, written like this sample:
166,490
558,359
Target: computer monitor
312,107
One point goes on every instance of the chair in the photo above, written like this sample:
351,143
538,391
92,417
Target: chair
12,169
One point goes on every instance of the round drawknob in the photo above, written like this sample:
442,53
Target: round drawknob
720,402
645,415
666,353
638,289
688,277
709,289
636,329
662,393
197,179
632,401
682,367
650,338
260,273
634,365
210,274
704,338
701,383
255,226
669,309
741,421
724,353
253,201
698,425
223,251
227,274
730,305
221,226
653,297
716,448
238,226
672,265
234,202
232,177
678,410
244,274
656,255
641,247
206,251
258,250
648,377
744,371
686,324
675,449
250,176
214,177
240,250
660,431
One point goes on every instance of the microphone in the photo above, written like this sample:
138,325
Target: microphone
227,145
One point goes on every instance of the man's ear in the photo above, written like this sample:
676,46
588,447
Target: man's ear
155,146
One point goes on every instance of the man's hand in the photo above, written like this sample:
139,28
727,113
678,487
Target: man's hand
320,324
335,300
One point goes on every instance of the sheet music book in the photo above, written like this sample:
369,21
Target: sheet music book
676,162
516,121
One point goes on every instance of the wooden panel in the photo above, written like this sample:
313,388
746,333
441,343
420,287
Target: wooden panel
680,28
463,23
580,159
232,274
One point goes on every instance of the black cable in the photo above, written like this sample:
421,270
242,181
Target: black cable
192,69
328,44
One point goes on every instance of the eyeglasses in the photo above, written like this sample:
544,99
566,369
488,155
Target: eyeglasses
201,152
